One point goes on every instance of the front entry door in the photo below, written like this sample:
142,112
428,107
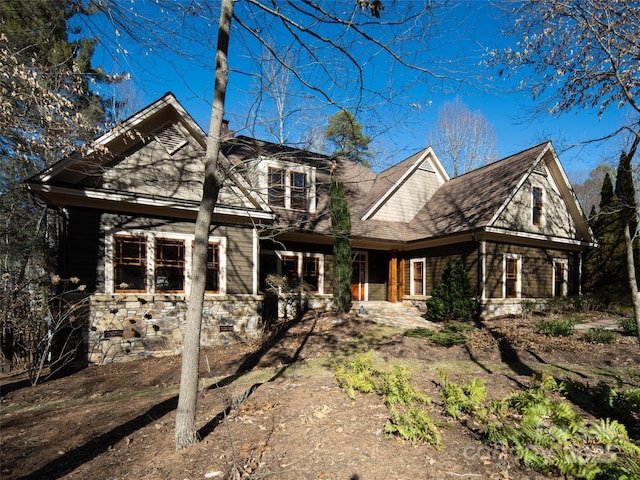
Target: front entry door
358,278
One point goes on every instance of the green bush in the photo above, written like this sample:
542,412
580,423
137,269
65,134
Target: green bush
453,298
599,335
628,325
556,328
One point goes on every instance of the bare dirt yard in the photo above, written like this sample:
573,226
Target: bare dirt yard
276,410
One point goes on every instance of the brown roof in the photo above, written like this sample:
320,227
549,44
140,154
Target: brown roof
470,201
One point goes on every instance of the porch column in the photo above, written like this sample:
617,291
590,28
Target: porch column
392,284
401,264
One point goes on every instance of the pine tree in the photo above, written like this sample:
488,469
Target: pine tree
341,231
345,132
453,298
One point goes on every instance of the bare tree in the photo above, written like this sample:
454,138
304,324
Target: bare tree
582,55
463,139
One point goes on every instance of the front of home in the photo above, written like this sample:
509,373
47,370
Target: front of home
129,203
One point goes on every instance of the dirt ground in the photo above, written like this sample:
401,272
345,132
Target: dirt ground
276,411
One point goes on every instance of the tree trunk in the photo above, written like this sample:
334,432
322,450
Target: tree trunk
185,430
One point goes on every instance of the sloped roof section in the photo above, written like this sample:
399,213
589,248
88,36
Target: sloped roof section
469,202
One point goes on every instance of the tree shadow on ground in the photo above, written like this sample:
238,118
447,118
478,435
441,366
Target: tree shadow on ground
79,455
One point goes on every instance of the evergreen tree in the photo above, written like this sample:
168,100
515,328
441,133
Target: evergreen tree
453,298
604,264
345,133
341,231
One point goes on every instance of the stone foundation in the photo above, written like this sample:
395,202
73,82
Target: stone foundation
126,327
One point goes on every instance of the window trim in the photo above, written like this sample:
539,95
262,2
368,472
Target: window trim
150,237
518,284
565,279
413,262
300,257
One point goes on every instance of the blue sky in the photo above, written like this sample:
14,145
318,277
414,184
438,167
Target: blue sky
465,32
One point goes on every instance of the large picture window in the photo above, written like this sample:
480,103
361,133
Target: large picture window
130,263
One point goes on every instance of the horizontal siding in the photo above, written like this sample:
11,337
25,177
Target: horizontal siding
537,269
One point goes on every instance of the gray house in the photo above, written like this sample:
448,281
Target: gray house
130,199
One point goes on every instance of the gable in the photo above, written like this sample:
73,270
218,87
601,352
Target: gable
408,193
543,203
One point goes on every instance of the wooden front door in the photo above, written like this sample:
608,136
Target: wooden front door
358,278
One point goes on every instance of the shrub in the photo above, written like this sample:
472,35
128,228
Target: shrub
628,325
599,335
453,298
556,328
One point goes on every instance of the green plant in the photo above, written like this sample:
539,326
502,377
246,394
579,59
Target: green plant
413,425
461,398
599,335
546,434
408,417
556,328
452,333
628,325
453,298
357,375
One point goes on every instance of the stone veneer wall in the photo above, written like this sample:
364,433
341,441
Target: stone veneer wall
129,326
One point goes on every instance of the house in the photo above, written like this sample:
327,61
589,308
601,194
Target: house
130,200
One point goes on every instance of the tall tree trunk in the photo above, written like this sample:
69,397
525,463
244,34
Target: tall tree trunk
624,168
185,430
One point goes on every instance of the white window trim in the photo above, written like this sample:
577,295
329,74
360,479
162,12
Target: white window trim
565,280
424,275
301,256
543,199
504,275
151,237
289,168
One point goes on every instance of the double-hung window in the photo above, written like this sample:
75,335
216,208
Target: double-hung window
130,263
277,190
418,286
308,267
512,276
169,265
156,262
536,205
311,272
560,277
289,185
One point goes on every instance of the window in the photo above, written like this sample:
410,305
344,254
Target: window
213,268
537,206
130,263
311,272
289,185
298,191
155,262
169,265
308,267
511,276
560,271
276,187
290,267
418,286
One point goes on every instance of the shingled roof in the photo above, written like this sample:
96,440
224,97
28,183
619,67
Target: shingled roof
469,202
